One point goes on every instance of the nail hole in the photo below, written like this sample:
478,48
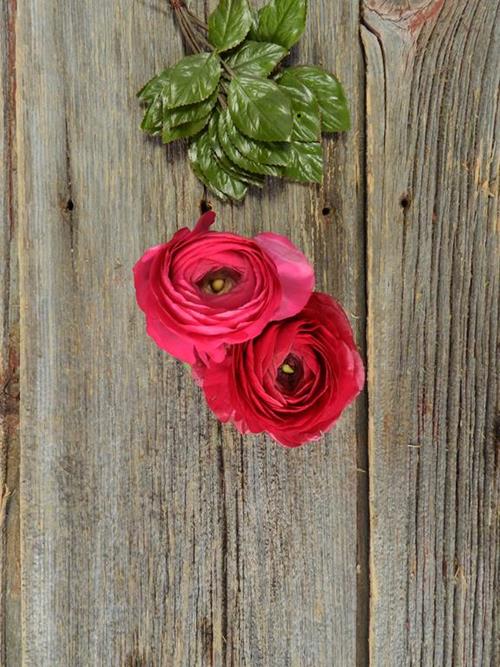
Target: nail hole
70,205
405,201
326,210
299,115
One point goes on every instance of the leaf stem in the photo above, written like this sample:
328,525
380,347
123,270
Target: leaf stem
186,30
197,41
188,19
200,24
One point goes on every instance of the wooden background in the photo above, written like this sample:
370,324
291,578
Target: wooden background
136,531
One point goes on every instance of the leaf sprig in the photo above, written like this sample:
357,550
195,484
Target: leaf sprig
246,115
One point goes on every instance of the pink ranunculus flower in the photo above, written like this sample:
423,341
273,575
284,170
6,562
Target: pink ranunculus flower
293,380
204,290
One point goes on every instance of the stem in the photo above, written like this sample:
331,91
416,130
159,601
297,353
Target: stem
200,24
188,20
179,7
196,41
231,72
187,32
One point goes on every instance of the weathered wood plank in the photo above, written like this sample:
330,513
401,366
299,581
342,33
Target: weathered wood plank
432,151
309,541
10,594
151,535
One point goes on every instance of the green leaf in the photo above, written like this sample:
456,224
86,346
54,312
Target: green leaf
190,112
305,107
198,157
193,79
185,130
282,22
246,177
255,23
329,93
272,152
256,58
223,159
229,24
154,86
306,164
268,153
152,122
226,136
260,109
193,156
216,178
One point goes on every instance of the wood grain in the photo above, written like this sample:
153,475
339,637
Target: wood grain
10,594
151,535
432,206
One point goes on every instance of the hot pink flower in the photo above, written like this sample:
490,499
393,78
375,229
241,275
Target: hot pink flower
204,290
293,380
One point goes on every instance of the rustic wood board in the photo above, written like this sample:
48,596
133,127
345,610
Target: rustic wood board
432,206
151,535
10,590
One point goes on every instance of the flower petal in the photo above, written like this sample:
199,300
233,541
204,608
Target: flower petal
294,270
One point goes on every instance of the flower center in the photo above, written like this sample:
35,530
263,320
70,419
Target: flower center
219,282
290,373
217,285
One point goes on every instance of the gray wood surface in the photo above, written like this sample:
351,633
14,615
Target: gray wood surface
10,589
432,205
150,534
